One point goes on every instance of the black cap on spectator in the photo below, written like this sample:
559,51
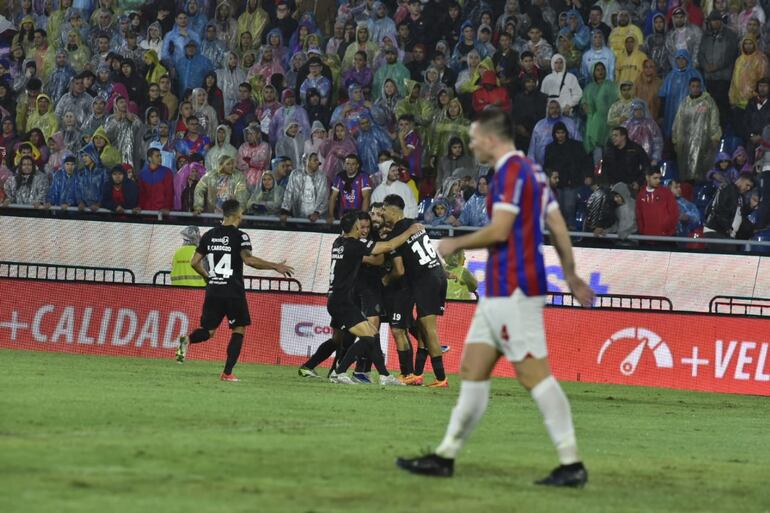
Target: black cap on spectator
314,60
34,84
70,158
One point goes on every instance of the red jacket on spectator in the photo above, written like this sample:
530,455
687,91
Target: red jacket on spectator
657,212
156,188
490,94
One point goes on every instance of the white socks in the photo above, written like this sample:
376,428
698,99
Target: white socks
554,407
473,400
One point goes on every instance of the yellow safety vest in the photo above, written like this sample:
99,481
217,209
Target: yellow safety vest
182,273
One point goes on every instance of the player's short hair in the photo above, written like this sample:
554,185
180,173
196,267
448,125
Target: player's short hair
152,151
231,207
245,85
394,200
364,216
348,221
377,204
496,121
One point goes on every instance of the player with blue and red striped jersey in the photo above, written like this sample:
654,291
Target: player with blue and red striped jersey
509,320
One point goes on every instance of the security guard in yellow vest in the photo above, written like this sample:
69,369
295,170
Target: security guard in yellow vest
182,273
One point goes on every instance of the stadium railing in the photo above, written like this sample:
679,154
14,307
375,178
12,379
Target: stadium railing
254,221
61,272
740,305
614,301
253,283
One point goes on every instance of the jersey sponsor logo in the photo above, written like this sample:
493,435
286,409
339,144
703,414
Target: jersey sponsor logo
245,237
222,240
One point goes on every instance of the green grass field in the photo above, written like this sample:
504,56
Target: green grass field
110,435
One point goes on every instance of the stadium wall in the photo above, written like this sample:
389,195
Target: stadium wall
690,280
673,350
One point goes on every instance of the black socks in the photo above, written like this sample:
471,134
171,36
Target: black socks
405,362
437,362
199,335
324,351
233,351
419,363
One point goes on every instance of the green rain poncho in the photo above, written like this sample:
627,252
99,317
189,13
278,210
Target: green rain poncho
597,100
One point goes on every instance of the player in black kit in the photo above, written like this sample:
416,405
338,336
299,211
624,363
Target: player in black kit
418,262
348,253
226,249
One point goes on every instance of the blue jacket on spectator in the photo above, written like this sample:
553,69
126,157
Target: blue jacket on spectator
91,179
191,70
475,211
64,189
130,193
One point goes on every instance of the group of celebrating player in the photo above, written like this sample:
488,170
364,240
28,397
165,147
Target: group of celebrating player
384,262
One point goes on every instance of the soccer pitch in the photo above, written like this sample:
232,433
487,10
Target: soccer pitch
98,434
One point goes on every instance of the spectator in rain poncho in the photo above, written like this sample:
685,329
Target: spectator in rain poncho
292,143
356,106
562,85
307,191
58,152
267,197
598,97
676,87
289,110
370,141
221,146
452,192
363,43
390,69
43,117
568,157
109,156
655,45
360,73
598,52
212,48
696,132
454,161
451,122
191,67
253,155
466,44
103,85
267,65
153,68
620,111
28,187
384,109
683,36
647,88
218,186
71,132
380,23
154,39
76,100
388,43
415,105
334,150
182,180
723,172
205,113
229,77
177,39
749,68
253,20
623,29
64,184
59,76
122,128
475,210
542,134
78,54
316,139
579,32
96,118
438,214
645,132
91,178
689,215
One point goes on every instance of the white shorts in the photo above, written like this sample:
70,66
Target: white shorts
512,325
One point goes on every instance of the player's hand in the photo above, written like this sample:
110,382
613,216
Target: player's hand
447,246
284,269
582,292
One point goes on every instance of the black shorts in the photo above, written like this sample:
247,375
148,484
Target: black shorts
399,305
429,293
216,308
371,301
344,312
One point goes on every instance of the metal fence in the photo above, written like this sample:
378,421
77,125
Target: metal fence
740,305
615,301
254,283
61,272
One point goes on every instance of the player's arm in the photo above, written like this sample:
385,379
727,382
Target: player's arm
387,246
197,264
497,231
259,263
396,272
561,241
375,260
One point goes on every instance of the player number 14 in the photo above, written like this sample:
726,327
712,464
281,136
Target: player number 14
221,269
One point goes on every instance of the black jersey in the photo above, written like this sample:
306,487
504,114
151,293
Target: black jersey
370,276
221,246
418,253
346,261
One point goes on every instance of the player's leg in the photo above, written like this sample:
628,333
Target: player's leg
324,351
364,363
211,316
429,331
422,351
404,349
365,333
535,375
238,318
479,358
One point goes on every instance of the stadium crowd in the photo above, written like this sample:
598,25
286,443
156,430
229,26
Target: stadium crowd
648,118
